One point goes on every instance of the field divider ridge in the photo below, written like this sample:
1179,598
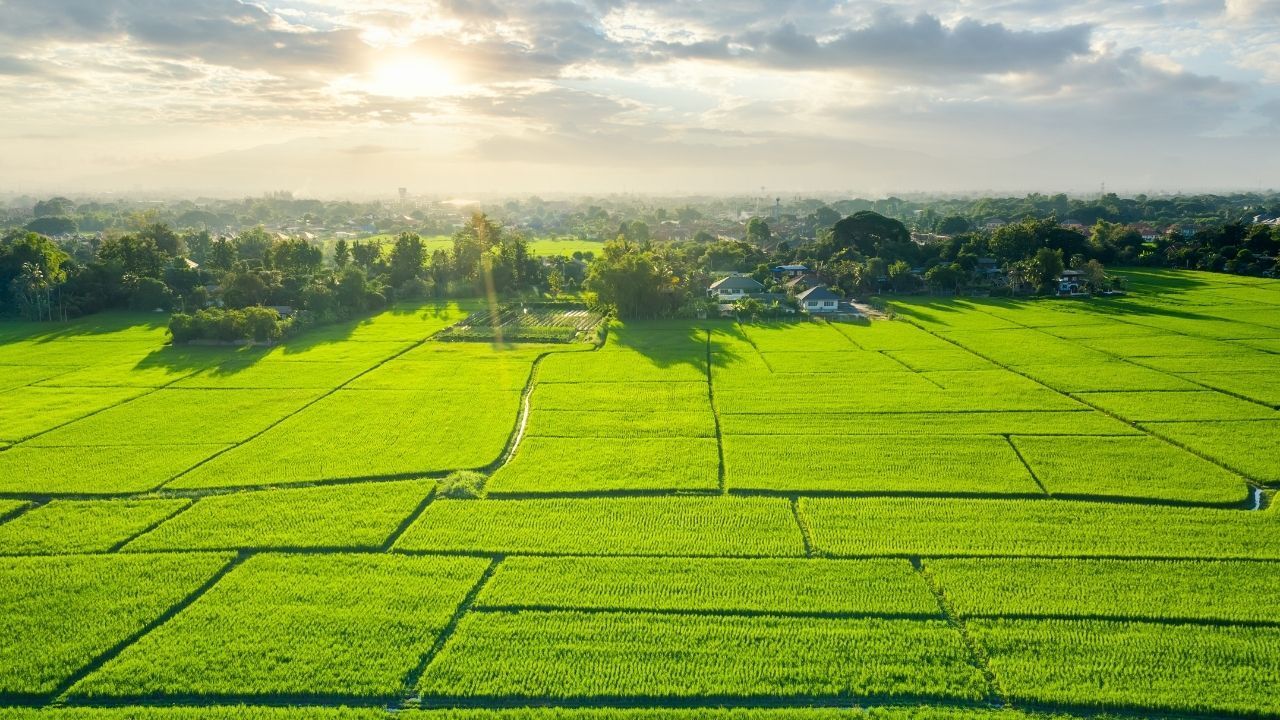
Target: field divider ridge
715,416
1248,481
60,695
802,522
23,509
313,401
411,680
121,544
708,612
410,519
977,654
1009,439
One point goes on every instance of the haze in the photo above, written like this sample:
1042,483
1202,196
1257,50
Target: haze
330,98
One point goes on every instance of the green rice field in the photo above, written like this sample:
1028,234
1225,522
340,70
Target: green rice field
973,509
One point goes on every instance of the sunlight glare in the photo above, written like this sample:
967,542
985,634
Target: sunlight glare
412,77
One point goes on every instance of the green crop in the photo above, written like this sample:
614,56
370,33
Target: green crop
565,654
889,587
59,613
76,526
339,625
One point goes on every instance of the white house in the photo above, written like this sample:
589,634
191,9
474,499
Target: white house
818,300
734,287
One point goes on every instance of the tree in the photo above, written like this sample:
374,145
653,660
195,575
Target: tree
634,282
341,254
54,207
868,234
366,255
408,258
1046,267
758,232
253,245
900,275
295,256
133,255
52,225
953,225
944,276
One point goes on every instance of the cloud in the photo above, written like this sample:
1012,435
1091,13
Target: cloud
17,66
923,46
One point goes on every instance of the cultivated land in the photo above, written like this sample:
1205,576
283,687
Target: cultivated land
980,509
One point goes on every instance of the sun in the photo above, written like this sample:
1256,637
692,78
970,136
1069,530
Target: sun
412,76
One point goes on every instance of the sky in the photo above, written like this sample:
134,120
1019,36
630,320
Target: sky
356,98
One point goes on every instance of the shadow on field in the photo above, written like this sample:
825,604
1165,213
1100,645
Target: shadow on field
227,360
670,343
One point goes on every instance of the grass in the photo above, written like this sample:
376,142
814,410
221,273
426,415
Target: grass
889,587
369,433
1133,467
554,464
96,470
58,614
875,464
609,526
1177,668
342,516
558,655
1224,591
868,527
82,526
341,625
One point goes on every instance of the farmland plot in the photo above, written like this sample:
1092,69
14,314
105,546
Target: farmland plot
609,526
881,463
569,655
369,433
835,587
1176,406
341,516
1220,590
174,417
1251,448
321,625
867,527
1135,467
82,526
96,470
1178,668
550,465
28,411
58,614
918,424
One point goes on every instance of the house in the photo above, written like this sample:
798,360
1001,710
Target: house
790,271
734,287
1071,281
819,300
801,283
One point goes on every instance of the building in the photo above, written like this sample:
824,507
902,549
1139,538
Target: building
734,287
818,300
1071,281
789,271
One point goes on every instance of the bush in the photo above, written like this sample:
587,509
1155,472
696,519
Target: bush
464,485
255,323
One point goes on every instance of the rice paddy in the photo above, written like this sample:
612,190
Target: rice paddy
982,508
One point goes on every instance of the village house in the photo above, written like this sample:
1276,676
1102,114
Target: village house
819,300
786,272
1071,282
734,287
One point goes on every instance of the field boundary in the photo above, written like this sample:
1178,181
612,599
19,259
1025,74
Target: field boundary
977,653
1247,480
415,676
304,406
806,533
715,416
61,694
1008,438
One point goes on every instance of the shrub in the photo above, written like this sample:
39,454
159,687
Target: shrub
464,485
